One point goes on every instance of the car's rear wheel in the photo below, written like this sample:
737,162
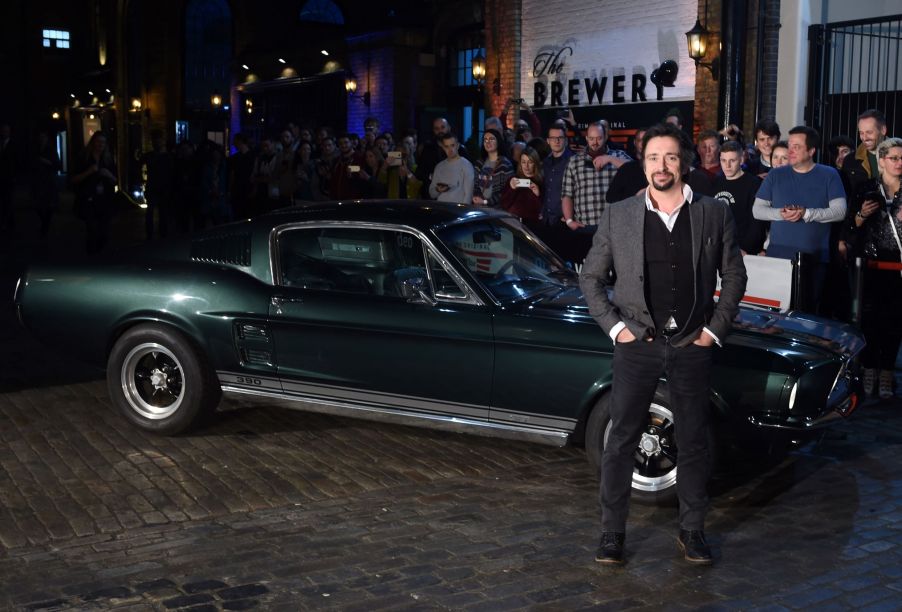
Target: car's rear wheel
159,380
655,457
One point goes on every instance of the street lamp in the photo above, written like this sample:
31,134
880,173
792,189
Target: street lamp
216,100
351,88
479,68
697,39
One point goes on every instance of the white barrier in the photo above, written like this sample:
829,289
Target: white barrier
769,285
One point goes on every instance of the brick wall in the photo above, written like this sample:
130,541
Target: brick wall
768,94
503,34
378,62
706,88
766,98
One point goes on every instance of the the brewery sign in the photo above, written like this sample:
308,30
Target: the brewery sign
557,84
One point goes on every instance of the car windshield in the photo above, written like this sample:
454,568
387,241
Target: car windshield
509,261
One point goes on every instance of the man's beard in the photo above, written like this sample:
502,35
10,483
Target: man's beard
667,184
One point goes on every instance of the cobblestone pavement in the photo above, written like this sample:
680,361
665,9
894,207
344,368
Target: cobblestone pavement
272,509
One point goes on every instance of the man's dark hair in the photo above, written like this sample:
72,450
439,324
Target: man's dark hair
557,126
674,112
447,136
812,138
873,113
668,130
343,135
769,127
732,146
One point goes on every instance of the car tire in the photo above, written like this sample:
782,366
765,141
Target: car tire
160,381
654,475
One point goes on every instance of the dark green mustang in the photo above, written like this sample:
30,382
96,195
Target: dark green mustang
425,313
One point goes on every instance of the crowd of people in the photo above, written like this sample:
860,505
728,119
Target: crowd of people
782,201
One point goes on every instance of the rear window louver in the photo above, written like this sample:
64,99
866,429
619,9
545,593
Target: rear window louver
229,249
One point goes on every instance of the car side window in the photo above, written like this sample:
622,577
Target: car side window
444,284
350,259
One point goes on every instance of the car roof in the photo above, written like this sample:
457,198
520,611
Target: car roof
421,214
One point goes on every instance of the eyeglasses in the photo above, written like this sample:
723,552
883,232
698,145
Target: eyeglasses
893,158
555,138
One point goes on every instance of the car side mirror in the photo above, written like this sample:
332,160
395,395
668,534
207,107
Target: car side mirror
416,289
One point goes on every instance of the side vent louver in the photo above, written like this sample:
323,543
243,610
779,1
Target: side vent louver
230,249
248,330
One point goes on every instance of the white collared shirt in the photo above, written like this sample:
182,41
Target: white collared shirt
669,220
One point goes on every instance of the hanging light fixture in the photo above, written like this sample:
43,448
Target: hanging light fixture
698,39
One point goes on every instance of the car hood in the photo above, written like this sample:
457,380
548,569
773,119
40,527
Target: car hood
835,336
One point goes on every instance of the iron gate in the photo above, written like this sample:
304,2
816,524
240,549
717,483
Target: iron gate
854,66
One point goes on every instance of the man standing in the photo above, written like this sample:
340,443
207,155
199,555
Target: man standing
767,134
863,166
433,153
553,168
801,200
654,243
587,179
709,153
453,178
346,183
738,189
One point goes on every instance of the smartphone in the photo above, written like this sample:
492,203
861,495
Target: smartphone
394,158
353,169
522,182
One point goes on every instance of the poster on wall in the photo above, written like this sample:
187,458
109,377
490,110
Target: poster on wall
628,53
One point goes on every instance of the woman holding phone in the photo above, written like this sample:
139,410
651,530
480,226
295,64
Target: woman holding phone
875,231
522,196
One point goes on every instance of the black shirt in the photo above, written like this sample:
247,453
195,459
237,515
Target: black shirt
740,195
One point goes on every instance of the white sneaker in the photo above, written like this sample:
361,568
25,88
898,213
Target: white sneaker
869,378
886,384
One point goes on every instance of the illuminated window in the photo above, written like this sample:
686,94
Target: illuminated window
56,38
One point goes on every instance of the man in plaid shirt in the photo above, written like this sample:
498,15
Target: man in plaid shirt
587,178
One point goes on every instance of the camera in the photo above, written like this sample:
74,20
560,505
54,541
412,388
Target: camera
522,182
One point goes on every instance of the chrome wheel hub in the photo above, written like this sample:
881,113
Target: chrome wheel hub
655,457
158,380
152,381
650,444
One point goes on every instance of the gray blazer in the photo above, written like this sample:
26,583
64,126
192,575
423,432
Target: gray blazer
619,248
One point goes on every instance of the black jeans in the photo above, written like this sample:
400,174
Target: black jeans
637,368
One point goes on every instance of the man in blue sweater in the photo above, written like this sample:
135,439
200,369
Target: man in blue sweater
801,200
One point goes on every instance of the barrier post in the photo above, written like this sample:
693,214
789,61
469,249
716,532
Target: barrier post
857,290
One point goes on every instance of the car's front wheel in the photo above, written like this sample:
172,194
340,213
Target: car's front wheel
655,457
159,380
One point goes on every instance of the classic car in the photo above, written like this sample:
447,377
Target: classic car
440,315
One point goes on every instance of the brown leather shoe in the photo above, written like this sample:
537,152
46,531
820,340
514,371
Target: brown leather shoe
694,547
